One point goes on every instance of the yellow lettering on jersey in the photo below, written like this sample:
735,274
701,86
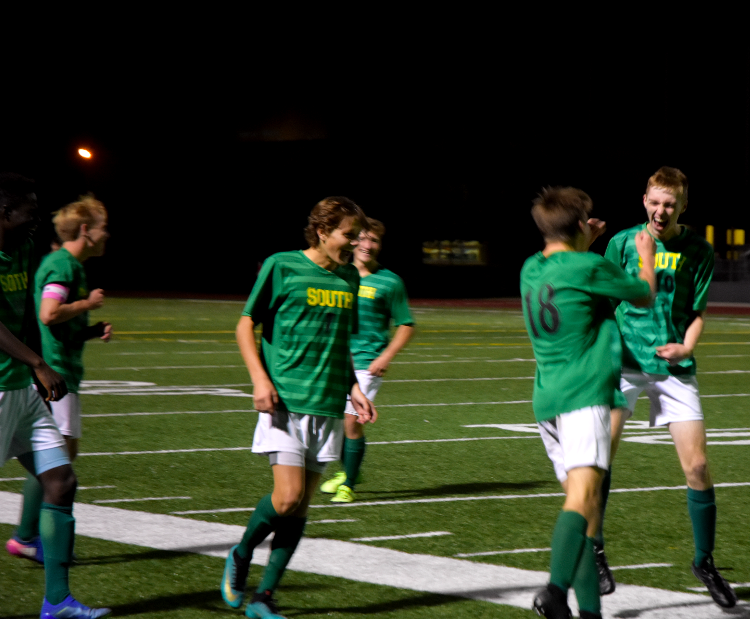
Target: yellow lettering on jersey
14,282
329,298
368,292
348,300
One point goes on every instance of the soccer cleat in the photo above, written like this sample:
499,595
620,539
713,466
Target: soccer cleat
332,485
606,580
70,608
28,550
720,589
263,606
343,495
552,603
234,579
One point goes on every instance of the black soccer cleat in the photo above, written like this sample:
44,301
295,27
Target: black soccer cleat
552,603
720,590
263,606
606,580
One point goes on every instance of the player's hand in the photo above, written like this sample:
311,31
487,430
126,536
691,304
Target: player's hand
54,387
362,406
379,366
598,227
646,246
96,299
106,331
265,396
673,353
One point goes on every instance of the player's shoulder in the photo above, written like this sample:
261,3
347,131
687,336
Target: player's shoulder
60,262
628,233
694,240
385,275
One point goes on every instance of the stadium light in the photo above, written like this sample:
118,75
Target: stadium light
84,153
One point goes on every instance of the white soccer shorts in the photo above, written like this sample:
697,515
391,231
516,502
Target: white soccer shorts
578,438
369,384
673,398
67,414
308,441
25,424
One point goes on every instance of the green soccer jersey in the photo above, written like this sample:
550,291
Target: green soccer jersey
382,297
308,315
569,319
15,301
684,266
62,344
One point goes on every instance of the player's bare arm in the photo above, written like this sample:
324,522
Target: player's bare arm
646,247
365,409
400,339
264,393
674,353
598,227
50,380
52,312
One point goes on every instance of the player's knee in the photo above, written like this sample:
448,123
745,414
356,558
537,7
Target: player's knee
287,501
697,469
60,485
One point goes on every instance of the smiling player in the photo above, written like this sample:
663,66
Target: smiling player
382,297
307,303
658,356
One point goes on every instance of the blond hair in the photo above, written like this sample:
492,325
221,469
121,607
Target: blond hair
69,219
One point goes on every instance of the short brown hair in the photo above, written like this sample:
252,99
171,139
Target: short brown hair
69,219
376,227
328,214
557,211
671,179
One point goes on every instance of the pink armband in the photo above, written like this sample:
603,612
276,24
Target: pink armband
55,291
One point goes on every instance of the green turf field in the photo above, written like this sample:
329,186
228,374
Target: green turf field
454,424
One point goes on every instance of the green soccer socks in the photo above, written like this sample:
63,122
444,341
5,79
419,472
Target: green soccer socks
586,580
702,510
606,483
57,530
354,453
264,520
288,534
28,528
568,541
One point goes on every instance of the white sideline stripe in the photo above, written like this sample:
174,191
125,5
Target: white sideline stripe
735,586
153,498
642,566
332,521
491,553
462,361
13,479
163,451
452,404
441,575
166,367
94,487
449,440
237,410
383,538
226,510
445,380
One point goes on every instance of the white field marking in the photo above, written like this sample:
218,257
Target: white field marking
735,585
384,538
724,356
332,521
491,553
129,387
666,438
166,367
452,404
448,440
728,372
237,410
153,498
460,361
446,380
642,566
226,510
176,352
94,487
382,566
163,451
13,479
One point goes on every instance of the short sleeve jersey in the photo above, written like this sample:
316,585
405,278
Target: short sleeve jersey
308,316
15,271
570,322
62,344
684,267
382,298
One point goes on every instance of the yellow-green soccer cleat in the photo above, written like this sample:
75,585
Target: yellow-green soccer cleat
343,495
332,485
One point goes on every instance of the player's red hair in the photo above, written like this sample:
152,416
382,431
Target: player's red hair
671,179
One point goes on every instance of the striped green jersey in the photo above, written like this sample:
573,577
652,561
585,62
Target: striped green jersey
382,297
308,316
684,267
62,344
568,314
16,275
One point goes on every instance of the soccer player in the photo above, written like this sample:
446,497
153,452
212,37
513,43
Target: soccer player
27,429
307,303
64,301
658,356
382,297
566,294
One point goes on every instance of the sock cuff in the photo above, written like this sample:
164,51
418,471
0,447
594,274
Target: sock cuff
573,519
62,509
354,444
266,505
701,496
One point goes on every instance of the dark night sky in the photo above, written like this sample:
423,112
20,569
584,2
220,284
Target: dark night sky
210,157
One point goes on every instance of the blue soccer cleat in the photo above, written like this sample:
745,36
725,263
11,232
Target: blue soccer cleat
234,579
27,550
70,608
263,606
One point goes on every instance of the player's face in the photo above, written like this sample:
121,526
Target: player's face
339,244
98,235
369,246
22,221
663,209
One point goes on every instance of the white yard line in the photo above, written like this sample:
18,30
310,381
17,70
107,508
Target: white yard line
12,479
233,410
94,487
384,538
440,575
153,498
492,553
642,566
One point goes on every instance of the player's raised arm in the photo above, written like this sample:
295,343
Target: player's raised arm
646,247
264,393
